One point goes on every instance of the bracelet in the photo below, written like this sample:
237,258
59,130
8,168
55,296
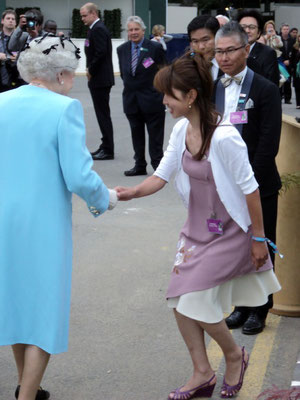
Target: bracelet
270,243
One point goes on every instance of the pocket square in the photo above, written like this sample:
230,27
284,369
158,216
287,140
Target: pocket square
249,104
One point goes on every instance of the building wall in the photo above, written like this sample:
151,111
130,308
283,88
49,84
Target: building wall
61,11
287,13
178,18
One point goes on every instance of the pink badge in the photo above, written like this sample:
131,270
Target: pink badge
215,226
86,42
147,62
239,117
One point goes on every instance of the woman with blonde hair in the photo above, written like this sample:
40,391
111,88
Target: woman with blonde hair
160,36
271,38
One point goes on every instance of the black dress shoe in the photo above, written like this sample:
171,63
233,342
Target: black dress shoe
236,319
287,102
41,394
254,324
95,152
101,155
136,171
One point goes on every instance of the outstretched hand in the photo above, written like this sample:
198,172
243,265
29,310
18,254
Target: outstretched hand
125,193
259,254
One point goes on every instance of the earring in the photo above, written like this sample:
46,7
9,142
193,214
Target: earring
62,82
190,106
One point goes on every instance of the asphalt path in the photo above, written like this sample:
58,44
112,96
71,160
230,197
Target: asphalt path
124,343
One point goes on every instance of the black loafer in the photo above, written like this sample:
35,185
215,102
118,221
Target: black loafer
254,324
236,319
101,155
95,152
136,171
41,394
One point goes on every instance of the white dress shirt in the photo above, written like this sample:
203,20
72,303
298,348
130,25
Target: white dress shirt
232,94
214,69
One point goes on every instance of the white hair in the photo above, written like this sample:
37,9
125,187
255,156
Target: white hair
136,19
45,57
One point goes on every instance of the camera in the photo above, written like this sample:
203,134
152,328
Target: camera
30,20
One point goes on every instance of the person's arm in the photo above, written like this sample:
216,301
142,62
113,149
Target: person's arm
17,40
100,49
149,186
259,249
76,162
269,126
270,67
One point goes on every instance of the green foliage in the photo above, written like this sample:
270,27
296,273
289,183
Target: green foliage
22,10
290,181
79,30
112,20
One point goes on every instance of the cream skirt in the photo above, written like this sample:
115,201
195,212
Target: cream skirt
208,305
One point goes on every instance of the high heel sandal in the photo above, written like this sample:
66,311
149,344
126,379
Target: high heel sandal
204,390
233,390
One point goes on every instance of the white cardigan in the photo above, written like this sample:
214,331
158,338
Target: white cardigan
231,169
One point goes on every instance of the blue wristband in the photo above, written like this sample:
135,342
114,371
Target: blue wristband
270,243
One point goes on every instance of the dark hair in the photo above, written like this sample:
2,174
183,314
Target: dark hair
294,29
38,16
203,21
191,71
254,14
8,11
233,28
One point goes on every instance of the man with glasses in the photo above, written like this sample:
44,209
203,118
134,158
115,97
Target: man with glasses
253,24
252,103
286,55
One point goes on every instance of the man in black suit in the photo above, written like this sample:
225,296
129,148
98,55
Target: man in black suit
139,60
253,104
100,74
201,32
286,55
253,24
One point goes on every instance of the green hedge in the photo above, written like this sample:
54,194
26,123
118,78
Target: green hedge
112,20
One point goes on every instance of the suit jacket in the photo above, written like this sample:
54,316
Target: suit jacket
262,133
139,93
287,51
98,51
267,59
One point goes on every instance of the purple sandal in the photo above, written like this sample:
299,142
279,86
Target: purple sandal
204,390
233,390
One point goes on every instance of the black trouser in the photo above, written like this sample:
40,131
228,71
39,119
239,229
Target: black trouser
297,92
286,88
155,123
269,209
100,97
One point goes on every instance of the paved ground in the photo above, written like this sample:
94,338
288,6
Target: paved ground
124,344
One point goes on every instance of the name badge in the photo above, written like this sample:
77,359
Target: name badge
239,117
215,226
86,42
147,62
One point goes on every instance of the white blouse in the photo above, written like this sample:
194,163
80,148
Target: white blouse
232,172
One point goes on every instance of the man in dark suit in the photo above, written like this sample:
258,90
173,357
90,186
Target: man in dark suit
253,104
201,32
286,54
139,60
253,24
100,74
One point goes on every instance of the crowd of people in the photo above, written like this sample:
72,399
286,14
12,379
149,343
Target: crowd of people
222,151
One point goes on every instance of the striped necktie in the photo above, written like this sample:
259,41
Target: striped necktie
134,60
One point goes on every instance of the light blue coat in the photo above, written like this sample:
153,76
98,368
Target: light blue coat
43,159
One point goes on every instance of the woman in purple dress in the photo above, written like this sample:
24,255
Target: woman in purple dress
222,258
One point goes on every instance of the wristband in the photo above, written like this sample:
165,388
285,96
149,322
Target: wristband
270,243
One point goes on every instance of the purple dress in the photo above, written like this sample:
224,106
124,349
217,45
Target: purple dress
204,259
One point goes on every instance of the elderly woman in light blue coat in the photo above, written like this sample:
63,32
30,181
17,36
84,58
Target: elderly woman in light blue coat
43,160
